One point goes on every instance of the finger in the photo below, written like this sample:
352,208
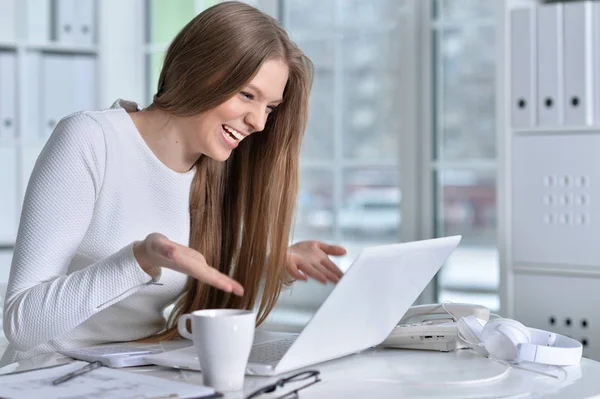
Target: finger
328,274
312,272
216,275
295,273
334,250
194,264
212,276
332,267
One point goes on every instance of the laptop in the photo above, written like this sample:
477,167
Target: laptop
359,313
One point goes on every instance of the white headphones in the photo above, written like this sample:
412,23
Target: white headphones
511,341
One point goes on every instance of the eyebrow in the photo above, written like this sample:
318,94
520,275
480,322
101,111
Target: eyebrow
260,93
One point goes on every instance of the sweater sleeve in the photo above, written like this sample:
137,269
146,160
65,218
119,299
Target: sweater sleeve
42,301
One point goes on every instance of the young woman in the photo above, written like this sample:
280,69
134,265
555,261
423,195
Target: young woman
189,201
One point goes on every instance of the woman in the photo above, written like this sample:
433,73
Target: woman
212,163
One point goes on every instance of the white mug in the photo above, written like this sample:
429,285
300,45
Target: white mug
223,340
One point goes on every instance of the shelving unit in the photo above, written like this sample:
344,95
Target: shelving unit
48,69
556,130
550,190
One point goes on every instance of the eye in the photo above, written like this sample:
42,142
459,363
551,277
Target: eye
247,95
271,108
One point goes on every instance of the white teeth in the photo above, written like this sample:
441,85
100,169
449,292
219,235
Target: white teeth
234,132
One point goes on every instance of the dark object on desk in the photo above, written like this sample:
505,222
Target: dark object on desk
293,394
85,369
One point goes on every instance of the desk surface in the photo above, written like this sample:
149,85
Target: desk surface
392,373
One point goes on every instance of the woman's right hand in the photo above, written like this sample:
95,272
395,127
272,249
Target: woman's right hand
158,251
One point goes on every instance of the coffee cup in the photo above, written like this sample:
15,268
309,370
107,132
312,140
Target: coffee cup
223,340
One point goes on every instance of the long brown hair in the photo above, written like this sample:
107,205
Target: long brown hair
241,210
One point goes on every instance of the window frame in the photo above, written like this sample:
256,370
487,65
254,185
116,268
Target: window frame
434,167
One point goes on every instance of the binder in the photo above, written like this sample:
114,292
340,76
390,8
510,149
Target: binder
549,64
68,85
84,17
578,100
65,21
8,148
8,97
8,199
57,90
522,62
7,20
31,128
84,83
38,20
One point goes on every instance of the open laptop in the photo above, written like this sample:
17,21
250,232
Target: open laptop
360,312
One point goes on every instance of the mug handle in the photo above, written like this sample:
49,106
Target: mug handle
182,326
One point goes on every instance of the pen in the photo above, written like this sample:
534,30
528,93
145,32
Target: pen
85,369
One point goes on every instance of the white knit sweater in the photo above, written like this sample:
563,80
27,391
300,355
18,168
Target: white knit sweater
95,189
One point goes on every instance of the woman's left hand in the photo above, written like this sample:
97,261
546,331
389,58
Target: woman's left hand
310,258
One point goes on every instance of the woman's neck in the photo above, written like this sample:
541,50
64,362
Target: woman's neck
164,135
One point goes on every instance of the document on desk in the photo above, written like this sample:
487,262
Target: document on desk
103,382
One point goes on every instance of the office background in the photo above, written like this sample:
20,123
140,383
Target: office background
412,132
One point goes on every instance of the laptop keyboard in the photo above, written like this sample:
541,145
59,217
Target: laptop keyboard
270,352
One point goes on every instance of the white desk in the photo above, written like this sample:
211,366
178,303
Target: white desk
391,373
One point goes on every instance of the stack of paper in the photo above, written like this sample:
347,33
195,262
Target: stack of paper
100,383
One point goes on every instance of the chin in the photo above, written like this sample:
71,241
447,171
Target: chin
219,156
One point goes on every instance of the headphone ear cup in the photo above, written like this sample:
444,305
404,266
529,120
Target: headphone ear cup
502,337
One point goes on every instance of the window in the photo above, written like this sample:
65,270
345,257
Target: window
164,21
350,162
464,153
363,107
349,166
349,189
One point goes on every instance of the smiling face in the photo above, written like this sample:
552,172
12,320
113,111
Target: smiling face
215,133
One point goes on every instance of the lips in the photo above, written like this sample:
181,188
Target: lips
229,139
234,133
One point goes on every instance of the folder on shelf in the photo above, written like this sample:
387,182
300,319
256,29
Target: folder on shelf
85,27
8,199
522,63
578,95
31,127
56,90
8,149
7,20
8,97
65,21
67,86
84,83
38,20
549,64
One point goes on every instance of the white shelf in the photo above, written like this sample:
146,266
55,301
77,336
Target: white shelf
7,45
557,129
558,270
63,48
52,79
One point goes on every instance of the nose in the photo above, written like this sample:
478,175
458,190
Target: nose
256,118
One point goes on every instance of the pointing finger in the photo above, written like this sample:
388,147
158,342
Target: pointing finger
334,250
